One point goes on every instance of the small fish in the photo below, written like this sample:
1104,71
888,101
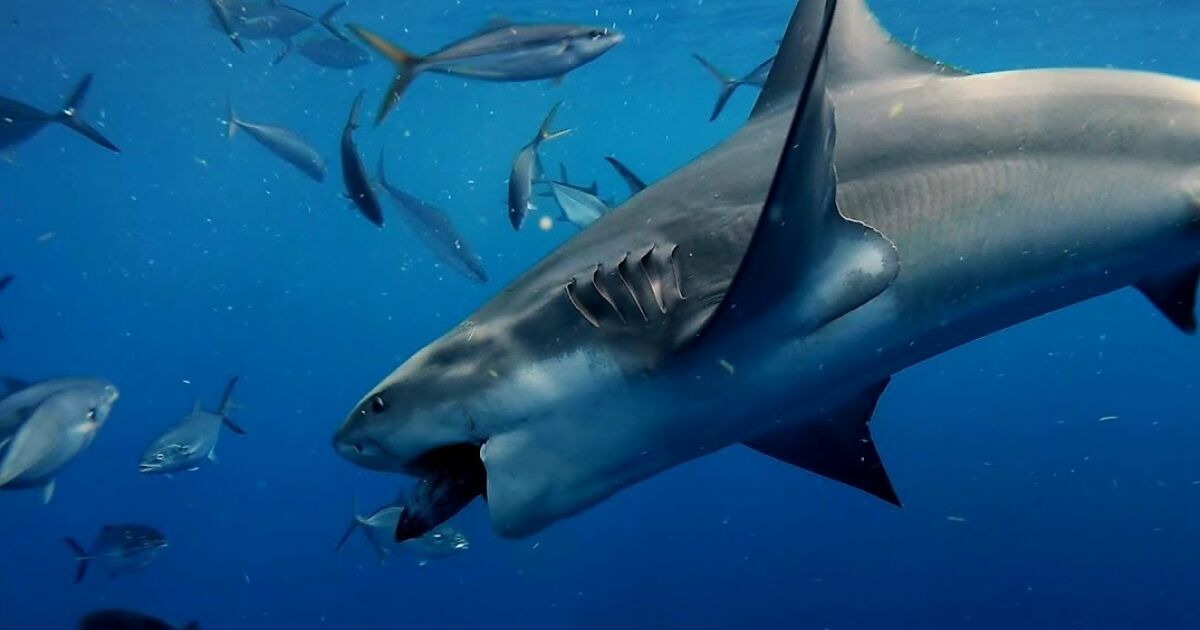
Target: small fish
334,53
119,549
1109,419
4,282
635,183
19,122
261,20
527,169
435,230
380,526
194,439
579,206
757,77
114,619
57,430
501,51
283,143
358,186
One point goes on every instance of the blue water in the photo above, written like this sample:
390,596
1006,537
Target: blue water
187,259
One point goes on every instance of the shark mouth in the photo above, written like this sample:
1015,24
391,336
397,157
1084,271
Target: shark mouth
449,478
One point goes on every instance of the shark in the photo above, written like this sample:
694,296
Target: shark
877,209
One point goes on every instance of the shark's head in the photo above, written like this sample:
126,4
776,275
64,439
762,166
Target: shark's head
589,43
431,406
91,403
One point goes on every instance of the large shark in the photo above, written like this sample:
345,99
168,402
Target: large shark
759,296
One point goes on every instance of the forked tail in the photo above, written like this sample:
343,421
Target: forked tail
69,116
728,85
408,66
81,555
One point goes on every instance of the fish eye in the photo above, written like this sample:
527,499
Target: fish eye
358,447
91,414
597,34
378,404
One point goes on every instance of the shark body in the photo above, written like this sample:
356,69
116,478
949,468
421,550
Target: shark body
766,300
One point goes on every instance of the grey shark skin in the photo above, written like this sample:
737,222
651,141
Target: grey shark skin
20,122
284,143
359,190
757,78
527,170
501,51
379,527
119,549
964,204
435,230
56,431
185,446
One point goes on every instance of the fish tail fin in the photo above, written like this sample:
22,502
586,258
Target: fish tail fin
227,407
352,120
287,50
231,123
326,20
408,66
69,117
544,133
81,555
355,521
728,85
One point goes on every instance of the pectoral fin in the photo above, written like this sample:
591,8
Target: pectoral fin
1174,295
35,439
838,446
48,492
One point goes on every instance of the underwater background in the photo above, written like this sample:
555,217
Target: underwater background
188,259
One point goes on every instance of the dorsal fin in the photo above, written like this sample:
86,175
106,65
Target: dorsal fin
1175,295
861,50
494,23
806,264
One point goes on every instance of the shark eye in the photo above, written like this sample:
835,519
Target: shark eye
91,414
159,457
378,404
596,35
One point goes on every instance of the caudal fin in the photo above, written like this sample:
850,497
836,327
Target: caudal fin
355,521
728,85
69,116
408,66
81,555
221,12
544,133
326,20
231,122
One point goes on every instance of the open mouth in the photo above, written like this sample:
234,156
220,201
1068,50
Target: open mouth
449,478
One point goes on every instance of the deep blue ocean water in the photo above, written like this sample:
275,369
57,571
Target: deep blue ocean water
189,258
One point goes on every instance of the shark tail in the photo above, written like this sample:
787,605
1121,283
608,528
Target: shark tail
68,116
408,66
355,521
544,133
228,406
728,85
326,20
81,555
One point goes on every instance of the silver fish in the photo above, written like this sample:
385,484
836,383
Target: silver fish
119,549
435,230
282,142
527,169
59,428
380,529
193,440
501,51
242,20
20,122
359,190
757,78
579,207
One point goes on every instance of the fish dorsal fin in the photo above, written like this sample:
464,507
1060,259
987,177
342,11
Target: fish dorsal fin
860,49
494,23
1175,295
806,264
837,446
